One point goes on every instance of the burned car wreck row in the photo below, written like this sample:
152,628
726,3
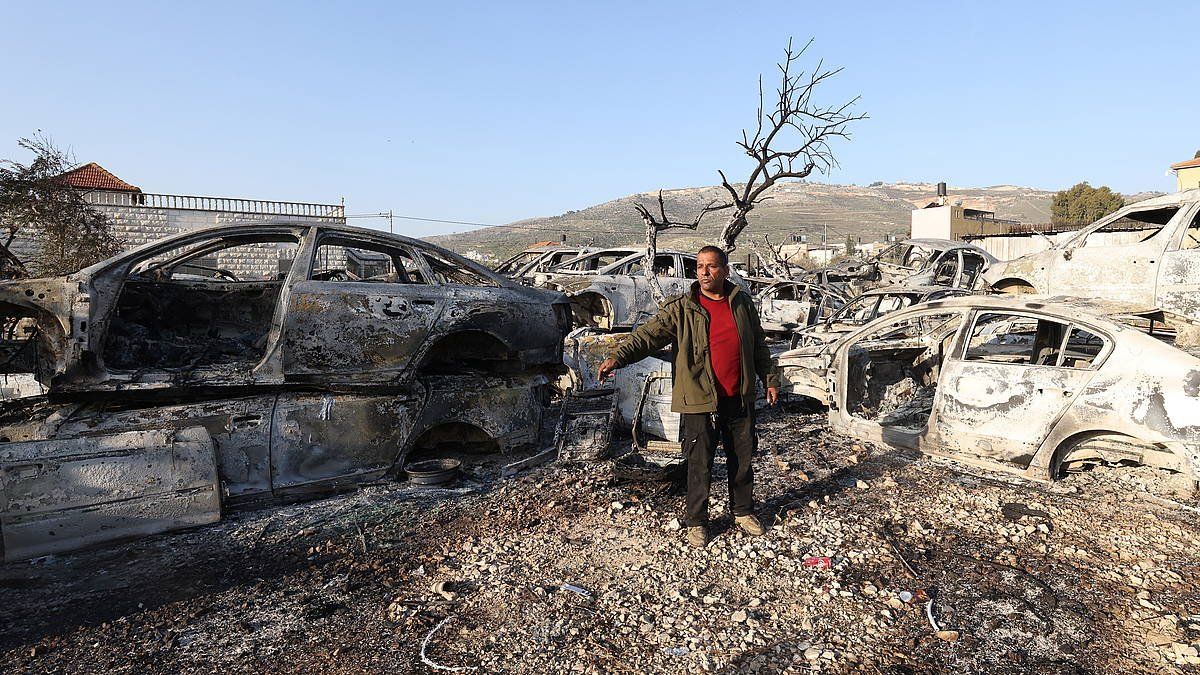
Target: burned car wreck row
231,389
145,320
1026,386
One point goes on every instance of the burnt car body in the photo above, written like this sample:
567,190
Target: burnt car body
1032,387
802,369
930,262
1147,254
534,260
177,387
866,308
609,289
849,276
784,306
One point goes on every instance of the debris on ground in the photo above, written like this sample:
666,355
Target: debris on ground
567,568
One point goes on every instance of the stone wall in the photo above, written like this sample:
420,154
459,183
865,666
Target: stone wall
136,225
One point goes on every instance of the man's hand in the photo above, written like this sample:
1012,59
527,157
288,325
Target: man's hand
772,395
606,369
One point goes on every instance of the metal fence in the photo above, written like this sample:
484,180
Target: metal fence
222,204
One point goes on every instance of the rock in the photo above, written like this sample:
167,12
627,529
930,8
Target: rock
948,635
812,653
739,616
861,484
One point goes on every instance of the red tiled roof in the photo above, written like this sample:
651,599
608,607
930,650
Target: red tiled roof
1186,165
92,176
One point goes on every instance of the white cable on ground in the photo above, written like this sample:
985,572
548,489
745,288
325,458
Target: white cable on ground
431,664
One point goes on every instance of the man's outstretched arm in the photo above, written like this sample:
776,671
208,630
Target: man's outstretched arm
646,339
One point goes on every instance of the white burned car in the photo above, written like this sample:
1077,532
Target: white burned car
931,262
609,289
1034,387
784,306
1146,254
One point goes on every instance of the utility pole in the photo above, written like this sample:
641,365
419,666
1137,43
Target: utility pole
825,236
390,230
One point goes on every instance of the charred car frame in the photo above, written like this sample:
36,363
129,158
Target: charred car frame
177,385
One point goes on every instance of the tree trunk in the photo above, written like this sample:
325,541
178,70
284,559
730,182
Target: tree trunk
656,289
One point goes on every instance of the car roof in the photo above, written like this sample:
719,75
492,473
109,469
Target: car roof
948,244
924,289
1171,199
627,253
235,229
1065,306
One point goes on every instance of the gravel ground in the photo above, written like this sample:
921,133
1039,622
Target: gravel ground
875,561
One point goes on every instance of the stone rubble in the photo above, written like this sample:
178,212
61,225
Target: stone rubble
564,568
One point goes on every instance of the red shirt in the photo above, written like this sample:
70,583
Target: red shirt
724,345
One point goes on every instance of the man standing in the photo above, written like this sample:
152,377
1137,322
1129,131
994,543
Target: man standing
719,349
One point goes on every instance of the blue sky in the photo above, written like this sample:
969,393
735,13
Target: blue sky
492,112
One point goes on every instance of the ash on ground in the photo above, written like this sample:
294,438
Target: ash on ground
875,561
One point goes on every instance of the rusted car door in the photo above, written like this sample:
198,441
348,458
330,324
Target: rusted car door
1001,391
343,327
1178,288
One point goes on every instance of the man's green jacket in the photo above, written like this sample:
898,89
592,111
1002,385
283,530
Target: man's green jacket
684,322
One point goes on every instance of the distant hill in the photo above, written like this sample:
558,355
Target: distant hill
869,213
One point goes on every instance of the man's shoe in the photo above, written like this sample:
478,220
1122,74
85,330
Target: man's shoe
750,525
697,536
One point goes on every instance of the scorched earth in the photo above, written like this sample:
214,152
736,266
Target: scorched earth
877,561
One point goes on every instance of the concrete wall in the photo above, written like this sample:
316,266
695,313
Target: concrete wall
136,225
931,223
950,222
1189,179
1011,246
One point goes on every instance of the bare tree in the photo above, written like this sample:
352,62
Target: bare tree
791,139
777,264
36,202
660,223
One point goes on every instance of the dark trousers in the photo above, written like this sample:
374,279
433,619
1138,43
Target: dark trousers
733,425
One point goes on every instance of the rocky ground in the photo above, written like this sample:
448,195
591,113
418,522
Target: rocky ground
875,561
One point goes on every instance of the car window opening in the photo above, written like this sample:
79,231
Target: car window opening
893,371
199,305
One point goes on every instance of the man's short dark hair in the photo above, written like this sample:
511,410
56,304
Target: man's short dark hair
722,255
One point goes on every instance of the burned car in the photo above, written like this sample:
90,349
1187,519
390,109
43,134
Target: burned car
784,306
866,308
802,369
609,289
539,259
1033,387
179,385
850,276
1146,253
931,262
